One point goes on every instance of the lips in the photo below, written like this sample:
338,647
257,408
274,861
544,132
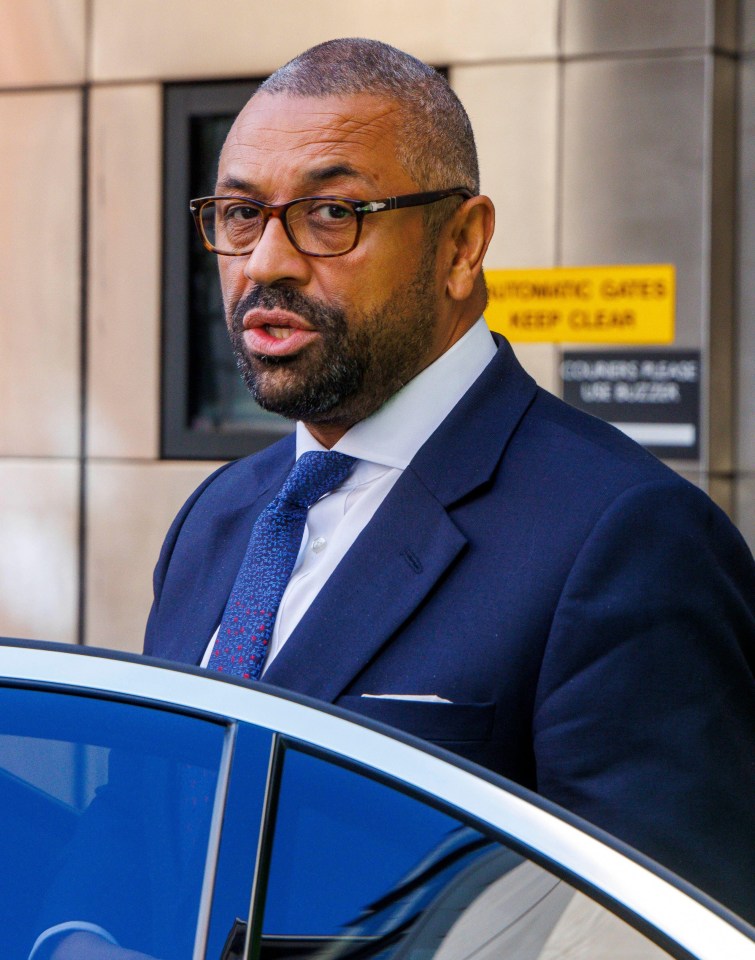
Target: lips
276,333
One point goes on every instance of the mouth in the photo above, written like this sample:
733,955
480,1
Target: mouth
276,333
280,333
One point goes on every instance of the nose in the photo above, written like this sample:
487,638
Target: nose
276,259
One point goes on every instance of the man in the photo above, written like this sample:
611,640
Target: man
497,573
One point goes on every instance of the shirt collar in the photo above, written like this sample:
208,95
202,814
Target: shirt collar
394,433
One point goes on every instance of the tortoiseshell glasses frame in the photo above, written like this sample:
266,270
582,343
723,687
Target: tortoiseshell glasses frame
321,226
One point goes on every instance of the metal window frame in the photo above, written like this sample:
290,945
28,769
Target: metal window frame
184,102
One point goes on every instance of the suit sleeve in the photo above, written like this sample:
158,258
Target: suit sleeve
645,714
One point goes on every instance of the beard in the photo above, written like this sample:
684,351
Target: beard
359,360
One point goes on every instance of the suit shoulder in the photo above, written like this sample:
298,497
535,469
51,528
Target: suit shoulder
236,482
572,468
227,491
254,471
577,437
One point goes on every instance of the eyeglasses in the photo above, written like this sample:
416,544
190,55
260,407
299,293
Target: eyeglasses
316,226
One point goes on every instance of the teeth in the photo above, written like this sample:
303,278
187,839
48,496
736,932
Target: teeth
280,333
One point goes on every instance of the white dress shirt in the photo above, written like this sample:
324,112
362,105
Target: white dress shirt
383,446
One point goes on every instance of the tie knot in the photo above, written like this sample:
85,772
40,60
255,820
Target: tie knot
313,475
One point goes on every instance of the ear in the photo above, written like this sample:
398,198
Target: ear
471,229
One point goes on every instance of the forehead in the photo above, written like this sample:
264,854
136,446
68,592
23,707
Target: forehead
282,144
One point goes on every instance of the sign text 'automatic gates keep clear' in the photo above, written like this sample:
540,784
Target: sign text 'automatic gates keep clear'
616,304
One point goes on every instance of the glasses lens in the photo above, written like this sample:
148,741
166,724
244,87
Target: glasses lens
322,226
231,226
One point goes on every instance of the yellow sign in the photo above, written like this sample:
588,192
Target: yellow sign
627,304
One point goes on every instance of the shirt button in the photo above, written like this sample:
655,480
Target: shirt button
319,544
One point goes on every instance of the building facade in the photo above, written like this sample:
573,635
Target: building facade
609,132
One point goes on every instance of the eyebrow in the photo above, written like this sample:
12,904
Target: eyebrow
334,172
234,184
318,177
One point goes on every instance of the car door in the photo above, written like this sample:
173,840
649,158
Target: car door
353,865
193,818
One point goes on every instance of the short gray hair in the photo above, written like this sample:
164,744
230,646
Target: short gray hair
436,147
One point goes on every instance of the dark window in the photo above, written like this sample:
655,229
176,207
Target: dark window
207,412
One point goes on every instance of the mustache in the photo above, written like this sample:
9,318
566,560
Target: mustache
319,315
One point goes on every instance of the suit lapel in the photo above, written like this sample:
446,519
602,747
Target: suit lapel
409,543
391,566
464,452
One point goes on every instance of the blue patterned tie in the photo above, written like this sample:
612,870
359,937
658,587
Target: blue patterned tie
247,625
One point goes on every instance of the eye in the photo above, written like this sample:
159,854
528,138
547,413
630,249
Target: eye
239,212
331,212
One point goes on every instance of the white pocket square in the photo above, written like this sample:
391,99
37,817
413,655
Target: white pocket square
417,697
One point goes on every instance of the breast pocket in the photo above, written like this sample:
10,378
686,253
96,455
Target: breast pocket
442,723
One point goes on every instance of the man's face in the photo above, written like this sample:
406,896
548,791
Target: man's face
328,340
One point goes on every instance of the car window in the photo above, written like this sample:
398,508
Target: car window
358,868
106,812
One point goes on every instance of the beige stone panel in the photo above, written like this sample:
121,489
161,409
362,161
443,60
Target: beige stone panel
744,507
721,491
541,361
635,182
502,29
39,549
720,488
129,509
40,197
725,235
42,42
610,26
698,477
514,113
141,39
124,271
747,25
514,110
745,329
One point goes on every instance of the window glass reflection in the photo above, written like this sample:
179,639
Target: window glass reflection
106,812
360,869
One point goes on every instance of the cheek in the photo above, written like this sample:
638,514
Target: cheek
231,271
364,280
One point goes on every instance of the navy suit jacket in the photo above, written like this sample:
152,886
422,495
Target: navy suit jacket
588,612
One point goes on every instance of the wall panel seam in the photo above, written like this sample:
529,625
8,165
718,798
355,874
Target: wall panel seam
83,332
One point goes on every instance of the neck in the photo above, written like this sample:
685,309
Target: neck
327,434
